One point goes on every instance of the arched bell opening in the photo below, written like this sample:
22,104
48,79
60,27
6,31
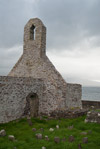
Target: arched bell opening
32,32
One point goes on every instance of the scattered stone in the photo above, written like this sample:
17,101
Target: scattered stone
43,147
93,117
11,138
57,126
41,129
47,138
51,129
71,138
86,121
70,127
15,147
64,140
57,139
92,107
2,133
79,146
98,114
33,129
39,136
85,140
83,133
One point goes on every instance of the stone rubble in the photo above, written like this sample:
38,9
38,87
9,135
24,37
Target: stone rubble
2,133
11,138
39,136
93,117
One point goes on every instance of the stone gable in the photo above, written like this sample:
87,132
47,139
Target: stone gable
56,93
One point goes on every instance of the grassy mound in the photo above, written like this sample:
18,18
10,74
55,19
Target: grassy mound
26,138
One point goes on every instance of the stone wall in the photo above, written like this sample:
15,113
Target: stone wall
87,104
34,63
13,93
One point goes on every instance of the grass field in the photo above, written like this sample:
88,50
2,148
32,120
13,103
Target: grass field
26,138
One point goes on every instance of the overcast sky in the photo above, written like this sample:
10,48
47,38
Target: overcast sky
73,35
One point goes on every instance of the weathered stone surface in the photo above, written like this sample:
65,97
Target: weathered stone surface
43,147
2,133
11,138
39,136
33,129
90,104
51,129
47,138
85,140
15,96
68,113
71,138
50,90
57,126
56,139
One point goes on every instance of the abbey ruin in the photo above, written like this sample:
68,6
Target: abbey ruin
34,86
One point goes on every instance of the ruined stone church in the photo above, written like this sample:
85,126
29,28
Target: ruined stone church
34,86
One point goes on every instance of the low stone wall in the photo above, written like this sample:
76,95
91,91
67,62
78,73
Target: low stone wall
90,104
68,113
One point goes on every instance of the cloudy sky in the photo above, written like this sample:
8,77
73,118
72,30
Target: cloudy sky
73,35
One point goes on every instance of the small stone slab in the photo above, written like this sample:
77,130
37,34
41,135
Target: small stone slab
56,139
57,126
33,129
46,138
51,129
2,133
11,138
43,147
39,136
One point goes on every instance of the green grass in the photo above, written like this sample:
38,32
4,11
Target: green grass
26,137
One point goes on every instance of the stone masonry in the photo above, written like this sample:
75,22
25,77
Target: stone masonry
54,93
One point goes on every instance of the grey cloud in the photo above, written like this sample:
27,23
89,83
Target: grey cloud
13,16
69,22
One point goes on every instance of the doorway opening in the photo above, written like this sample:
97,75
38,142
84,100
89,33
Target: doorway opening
32,105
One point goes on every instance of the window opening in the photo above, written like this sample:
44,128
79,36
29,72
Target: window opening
32,32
